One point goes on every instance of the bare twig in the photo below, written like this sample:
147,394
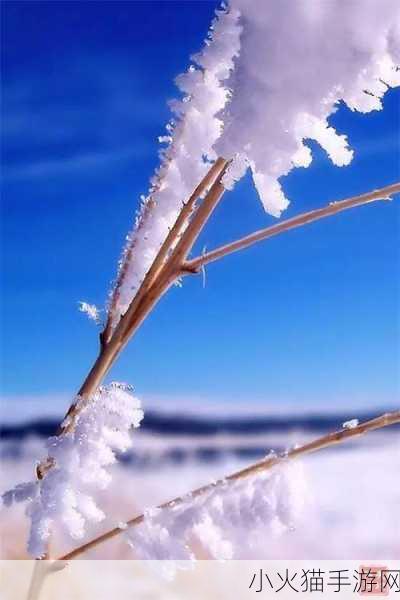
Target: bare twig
326,441
194,265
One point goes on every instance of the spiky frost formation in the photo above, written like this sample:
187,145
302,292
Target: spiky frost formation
226,522
298,60
64,498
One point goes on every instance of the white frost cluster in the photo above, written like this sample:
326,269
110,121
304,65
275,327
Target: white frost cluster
298,60
352,424
90,310
226,522
65,496
186,159
269,76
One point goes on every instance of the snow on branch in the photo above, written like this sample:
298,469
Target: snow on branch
298,61
290,506
64,497
224,523
185,161
267,79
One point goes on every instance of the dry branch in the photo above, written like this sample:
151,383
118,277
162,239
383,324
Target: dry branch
326,441
385,193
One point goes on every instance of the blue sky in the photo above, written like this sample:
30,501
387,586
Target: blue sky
307,318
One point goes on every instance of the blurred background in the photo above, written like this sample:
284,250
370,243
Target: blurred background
282,342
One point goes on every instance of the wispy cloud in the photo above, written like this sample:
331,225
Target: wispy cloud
77,162
53,125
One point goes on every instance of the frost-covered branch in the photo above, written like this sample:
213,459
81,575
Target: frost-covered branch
385,193
64,497
168,244
273,460
191,134
297,62
253,98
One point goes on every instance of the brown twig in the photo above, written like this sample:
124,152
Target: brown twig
323,442
169,243
195,264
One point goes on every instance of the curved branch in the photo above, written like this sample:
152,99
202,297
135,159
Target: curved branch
194,265
323,442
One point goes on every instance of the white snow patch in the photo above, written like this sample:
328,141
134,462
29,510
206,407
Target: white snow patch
350,424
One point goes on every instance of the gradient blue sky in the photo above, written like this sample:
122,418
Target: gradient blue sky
311,317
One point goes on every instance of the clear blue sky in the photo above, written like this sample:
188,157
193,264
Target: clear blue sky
309,317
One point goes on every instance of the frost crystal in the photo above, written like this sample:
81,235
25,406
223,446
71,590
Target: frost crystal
91,311
223,523
64,497
350,424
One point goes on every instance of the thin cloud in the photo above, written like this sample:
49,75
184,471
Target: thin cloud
54,127
78,162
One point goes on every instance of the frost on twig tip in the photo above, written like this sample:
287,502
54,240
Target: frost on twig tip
65,497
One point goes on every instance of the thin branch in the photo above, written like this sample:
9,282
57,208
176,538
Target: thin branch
323,442
196,225
169,242
194,265
168,272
